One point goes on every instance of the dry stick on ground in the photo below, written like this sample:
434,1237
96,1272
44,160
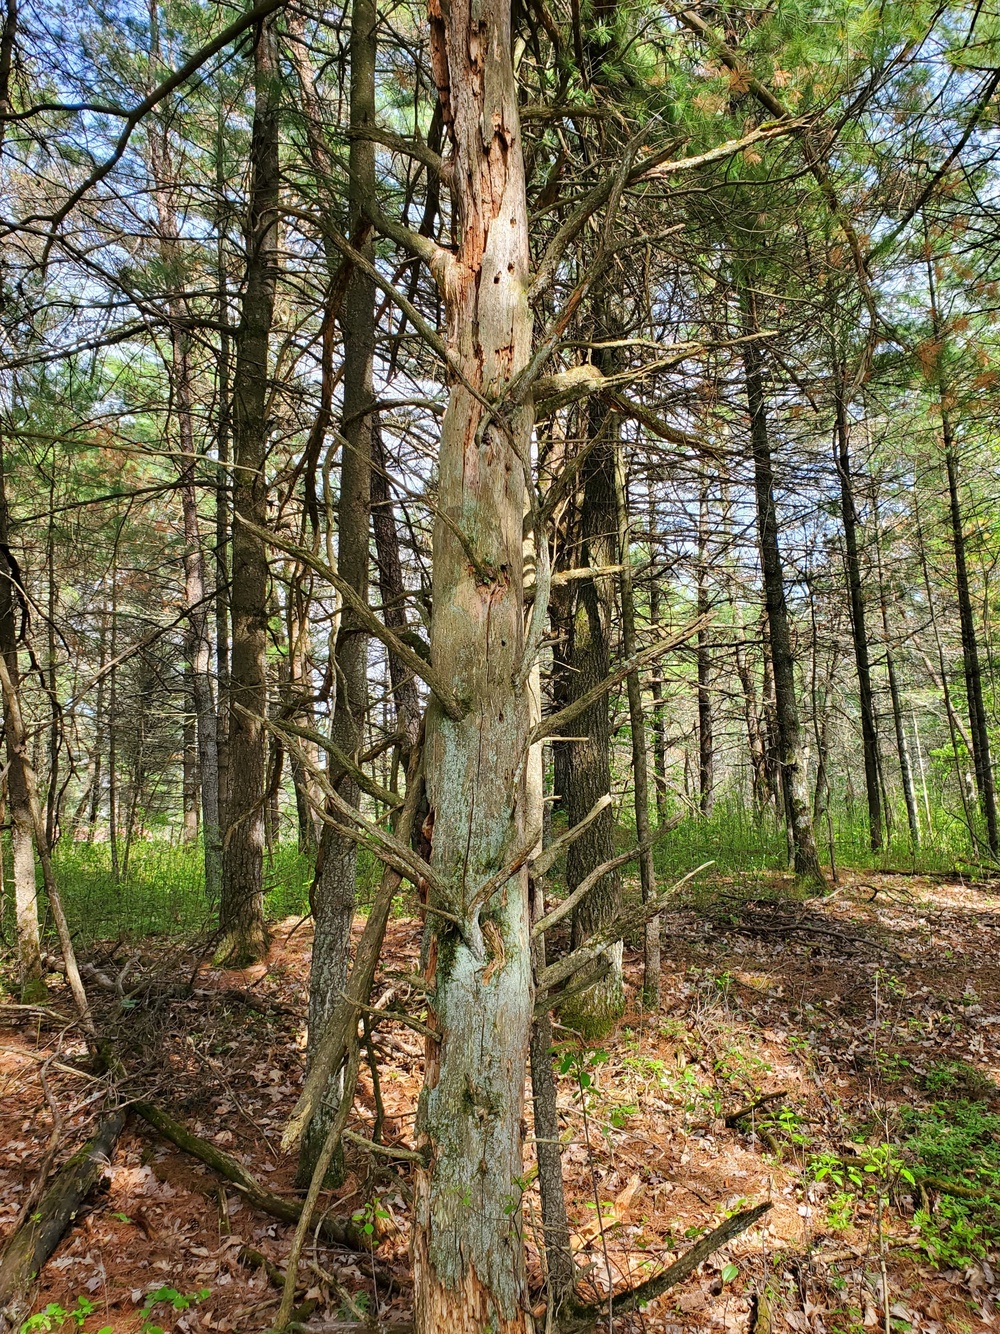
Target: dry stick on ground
581,1318
337,1230
39,1233
734,1117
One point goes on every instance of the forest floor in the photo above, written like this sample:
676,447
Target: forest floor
871,1016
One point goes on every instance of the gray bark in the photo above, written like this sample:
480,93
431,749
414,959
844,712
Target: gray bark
242,906
467,1249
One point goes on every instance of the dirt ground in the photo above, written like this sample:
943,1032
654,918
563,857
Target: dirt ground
838,1007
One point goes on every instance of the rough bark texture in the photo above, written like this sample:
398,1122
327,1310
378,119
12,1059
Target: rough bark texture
794,780
242,908
11,597
467,1249
859,629
391,590
640,754
332,897
594,1010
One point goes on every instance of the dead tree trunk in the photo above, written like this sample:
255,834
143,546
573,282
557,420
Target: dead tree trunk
242,906
467,1249
39,1234
706,739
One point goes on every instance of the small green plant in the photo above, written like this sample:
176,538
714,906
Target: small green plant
618,1116
875,1167
790,1121
958,1079
840,1210
178,1301
953,1235
366,1217
55,1317
957,1142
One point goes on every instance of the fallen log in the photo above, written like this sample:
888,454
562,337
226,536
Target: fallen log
37,1235
340,1231
577,1319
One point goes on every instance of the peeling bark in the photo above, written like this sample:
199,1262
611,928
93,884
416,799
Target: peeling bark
467,1249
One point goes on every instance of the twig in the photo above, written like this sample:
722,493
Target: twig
586,1317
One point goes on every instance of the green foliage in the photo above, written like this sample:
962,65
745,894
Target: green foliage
366,1216
56,1317
171,1297
746,845
957,1140
958,1079
163,890
954,1234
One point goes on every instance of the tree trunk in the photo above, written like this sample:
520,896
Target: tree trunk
859,630
982,762
706,740
593,1010
759,786
899,723
223,520
189,766
981,759
793,769
468,1254
39,1234
202,786
298,694
332,897
391,589
242,906
640,756
656,695
30,971
11,601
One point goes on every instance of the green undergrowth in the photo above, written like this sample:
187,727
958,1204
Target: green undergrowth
739,842
163,890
